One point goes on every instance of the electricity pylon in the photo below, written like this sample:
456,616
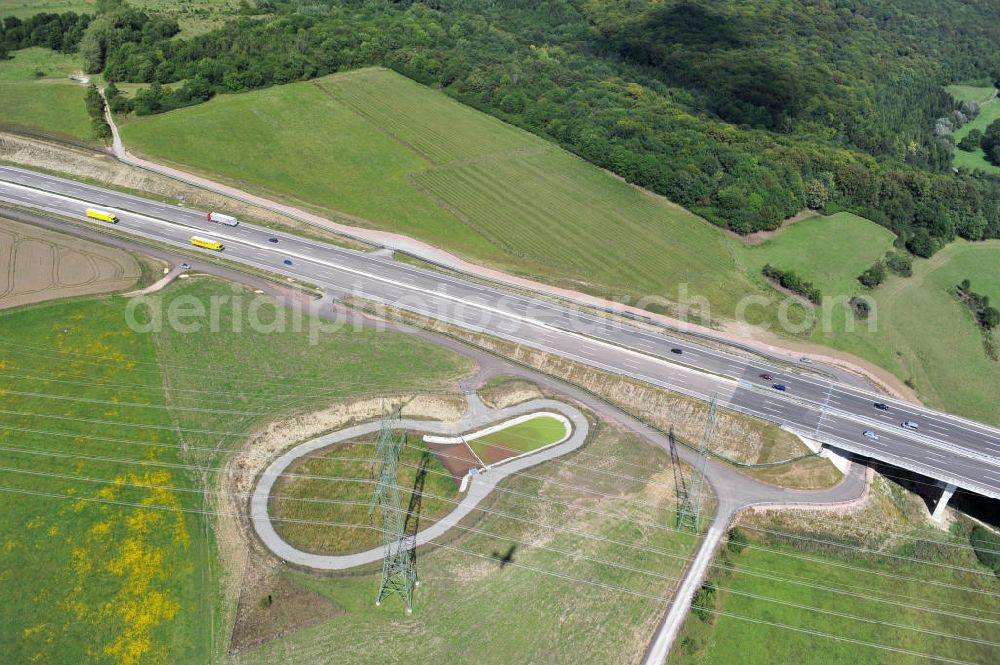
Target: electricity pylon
689,512
399,571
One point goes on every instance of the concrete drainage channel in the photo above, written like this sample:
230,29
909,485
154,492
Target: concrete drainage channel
477,418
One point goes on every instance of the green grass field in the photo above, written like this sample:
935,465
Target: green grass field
81,576
79,385
350,460
733,640
522,437
977,159
913,315
55,108
970,93
51,103
403,157
469,608
25,8
831,250
925,592
23,65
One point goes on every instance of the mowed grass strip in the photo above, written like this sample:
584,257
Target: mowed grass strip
400,107
427,492
374,144
554,214
521,438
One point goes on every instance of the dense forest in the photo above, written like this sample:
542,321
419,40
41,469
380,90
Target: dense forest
744,112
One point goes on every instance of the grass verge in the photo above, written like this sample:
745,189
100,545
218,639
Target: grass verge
934,608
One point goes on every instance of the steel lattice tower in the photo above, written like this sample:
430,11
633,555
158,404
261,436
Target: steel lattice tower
399,572
689,513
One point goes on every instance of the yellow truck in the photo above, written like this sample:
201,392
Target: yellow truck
206,243
102,215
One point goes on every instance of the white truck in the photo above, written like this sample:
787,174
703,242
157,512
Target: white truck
222,219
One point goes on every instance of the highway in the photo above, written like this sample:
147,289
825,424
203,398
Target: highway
946,447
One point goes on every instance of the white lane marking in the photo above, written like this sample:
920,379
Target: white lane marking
673,366
224,234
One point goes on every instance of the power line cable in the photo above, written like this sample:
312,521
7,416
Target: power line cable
603,585
504,514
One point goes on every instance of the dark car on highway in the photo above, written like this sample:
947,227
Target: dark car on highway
766,377
881,406
272,240
676,350
779,386
288,262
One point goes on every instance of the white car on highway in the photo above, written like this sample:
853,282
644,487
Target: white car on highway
871,435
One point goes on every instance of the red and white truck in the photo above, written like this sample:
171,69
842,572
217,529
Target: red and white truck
222,219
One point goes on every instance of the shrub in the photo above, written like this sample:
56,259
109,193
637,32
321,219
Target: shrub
990,318
860,307
987,547
791,281
874,275
737,540
922,244
901,263
704,602
971,141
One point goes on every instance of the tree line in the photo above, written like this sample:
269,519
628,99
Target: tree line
792,281
59,32
719,105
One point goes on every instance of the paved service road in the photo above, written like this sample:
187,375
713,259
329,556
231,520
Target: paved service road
946,447
479,488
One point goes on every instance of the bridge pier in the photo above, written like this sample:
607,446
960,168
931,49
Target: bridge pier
946,493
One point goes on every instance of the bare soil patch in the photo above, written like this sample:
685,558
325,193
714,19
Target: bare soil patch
38,265
458,459
506,391
760,237
274,606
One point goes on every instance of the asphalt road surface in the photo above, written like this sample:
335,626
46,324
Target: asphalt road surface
946,447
